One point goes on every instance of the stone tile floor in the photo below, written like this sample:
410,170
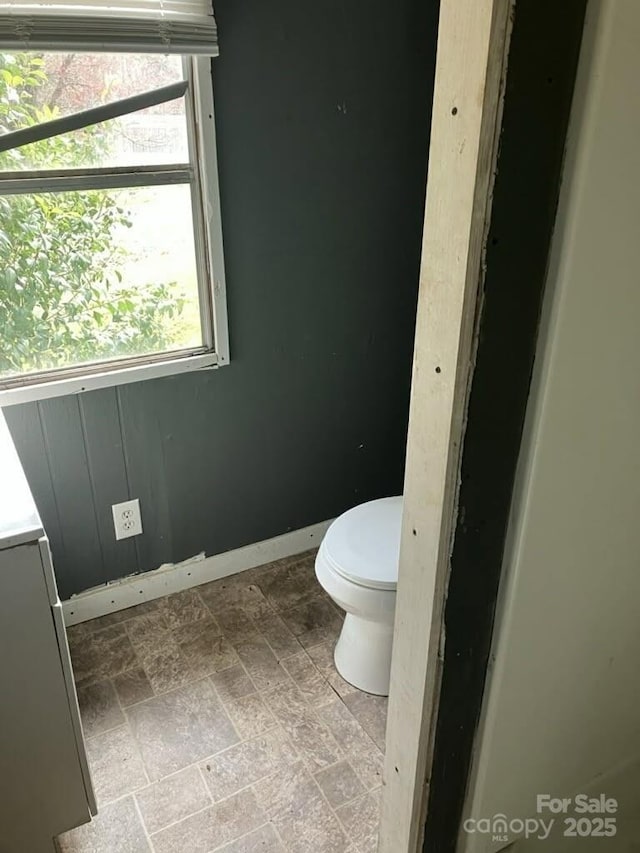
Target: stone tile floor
215,721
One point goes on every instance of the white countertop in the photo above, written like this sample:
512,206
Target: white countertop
19,519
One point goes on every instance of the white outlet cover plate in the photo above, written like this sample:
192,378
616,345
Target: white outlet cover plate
127,520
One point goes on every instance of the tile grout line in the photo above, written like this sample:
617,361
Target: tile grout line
241,743
205,808
123,796
253,620
194,764
179,821
143,824
362,781
357,797
320,723
240,837
104,731
346,754
134,740
204,782
244,788
333,810
143,659
266,731
285,847
355,841
357,721
347,760
171,689
170,631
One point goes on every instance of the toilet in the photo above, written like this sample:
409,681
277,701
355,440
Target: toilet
357,566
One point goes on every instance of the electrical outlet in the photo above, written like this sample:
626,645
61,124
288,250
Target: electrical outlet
126,519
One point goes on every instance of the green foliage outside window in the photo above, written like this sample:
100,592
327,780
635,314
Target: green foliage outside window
63,299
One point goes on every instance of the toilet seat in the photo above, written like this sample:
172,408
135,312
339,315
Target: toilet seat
363,544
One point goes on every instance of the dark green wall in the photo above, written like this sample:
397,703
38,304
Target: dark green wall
322,115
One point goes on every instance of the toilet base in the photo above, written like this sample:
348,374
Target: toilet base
363,654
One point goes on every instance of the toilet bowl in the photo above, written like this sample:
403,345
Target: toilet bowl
357,566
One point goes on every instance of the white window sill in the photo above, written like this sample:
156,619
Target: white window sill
107,378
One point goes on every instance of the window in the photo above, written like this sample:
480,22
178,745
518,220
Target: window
111,266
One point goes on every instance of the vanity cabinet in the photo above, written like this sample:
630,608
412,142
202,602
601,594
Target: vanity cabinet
45,785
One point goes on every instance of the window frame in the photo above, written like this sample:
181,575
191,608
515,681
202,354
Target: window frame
207,223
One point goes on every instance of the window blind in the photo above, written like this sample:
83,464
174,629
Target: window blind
136,26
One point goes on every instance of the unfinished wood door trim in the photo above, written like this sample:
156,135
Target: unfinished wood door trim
470,67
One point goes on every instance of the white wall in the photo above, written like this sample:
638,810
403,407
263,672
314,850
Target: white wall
562,707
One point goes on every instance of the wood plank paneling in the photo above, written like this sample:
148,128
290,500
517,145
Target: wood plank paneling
64,440
108,473
145,461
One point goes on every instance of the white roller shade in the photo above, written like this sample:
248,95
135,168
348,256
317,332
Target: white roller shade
137,26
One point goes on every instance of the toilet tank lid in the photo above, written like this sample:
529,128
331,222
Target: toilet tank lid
363,544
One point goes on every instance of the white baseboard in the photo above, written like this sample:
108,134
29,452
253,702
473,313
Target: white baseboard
174,577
